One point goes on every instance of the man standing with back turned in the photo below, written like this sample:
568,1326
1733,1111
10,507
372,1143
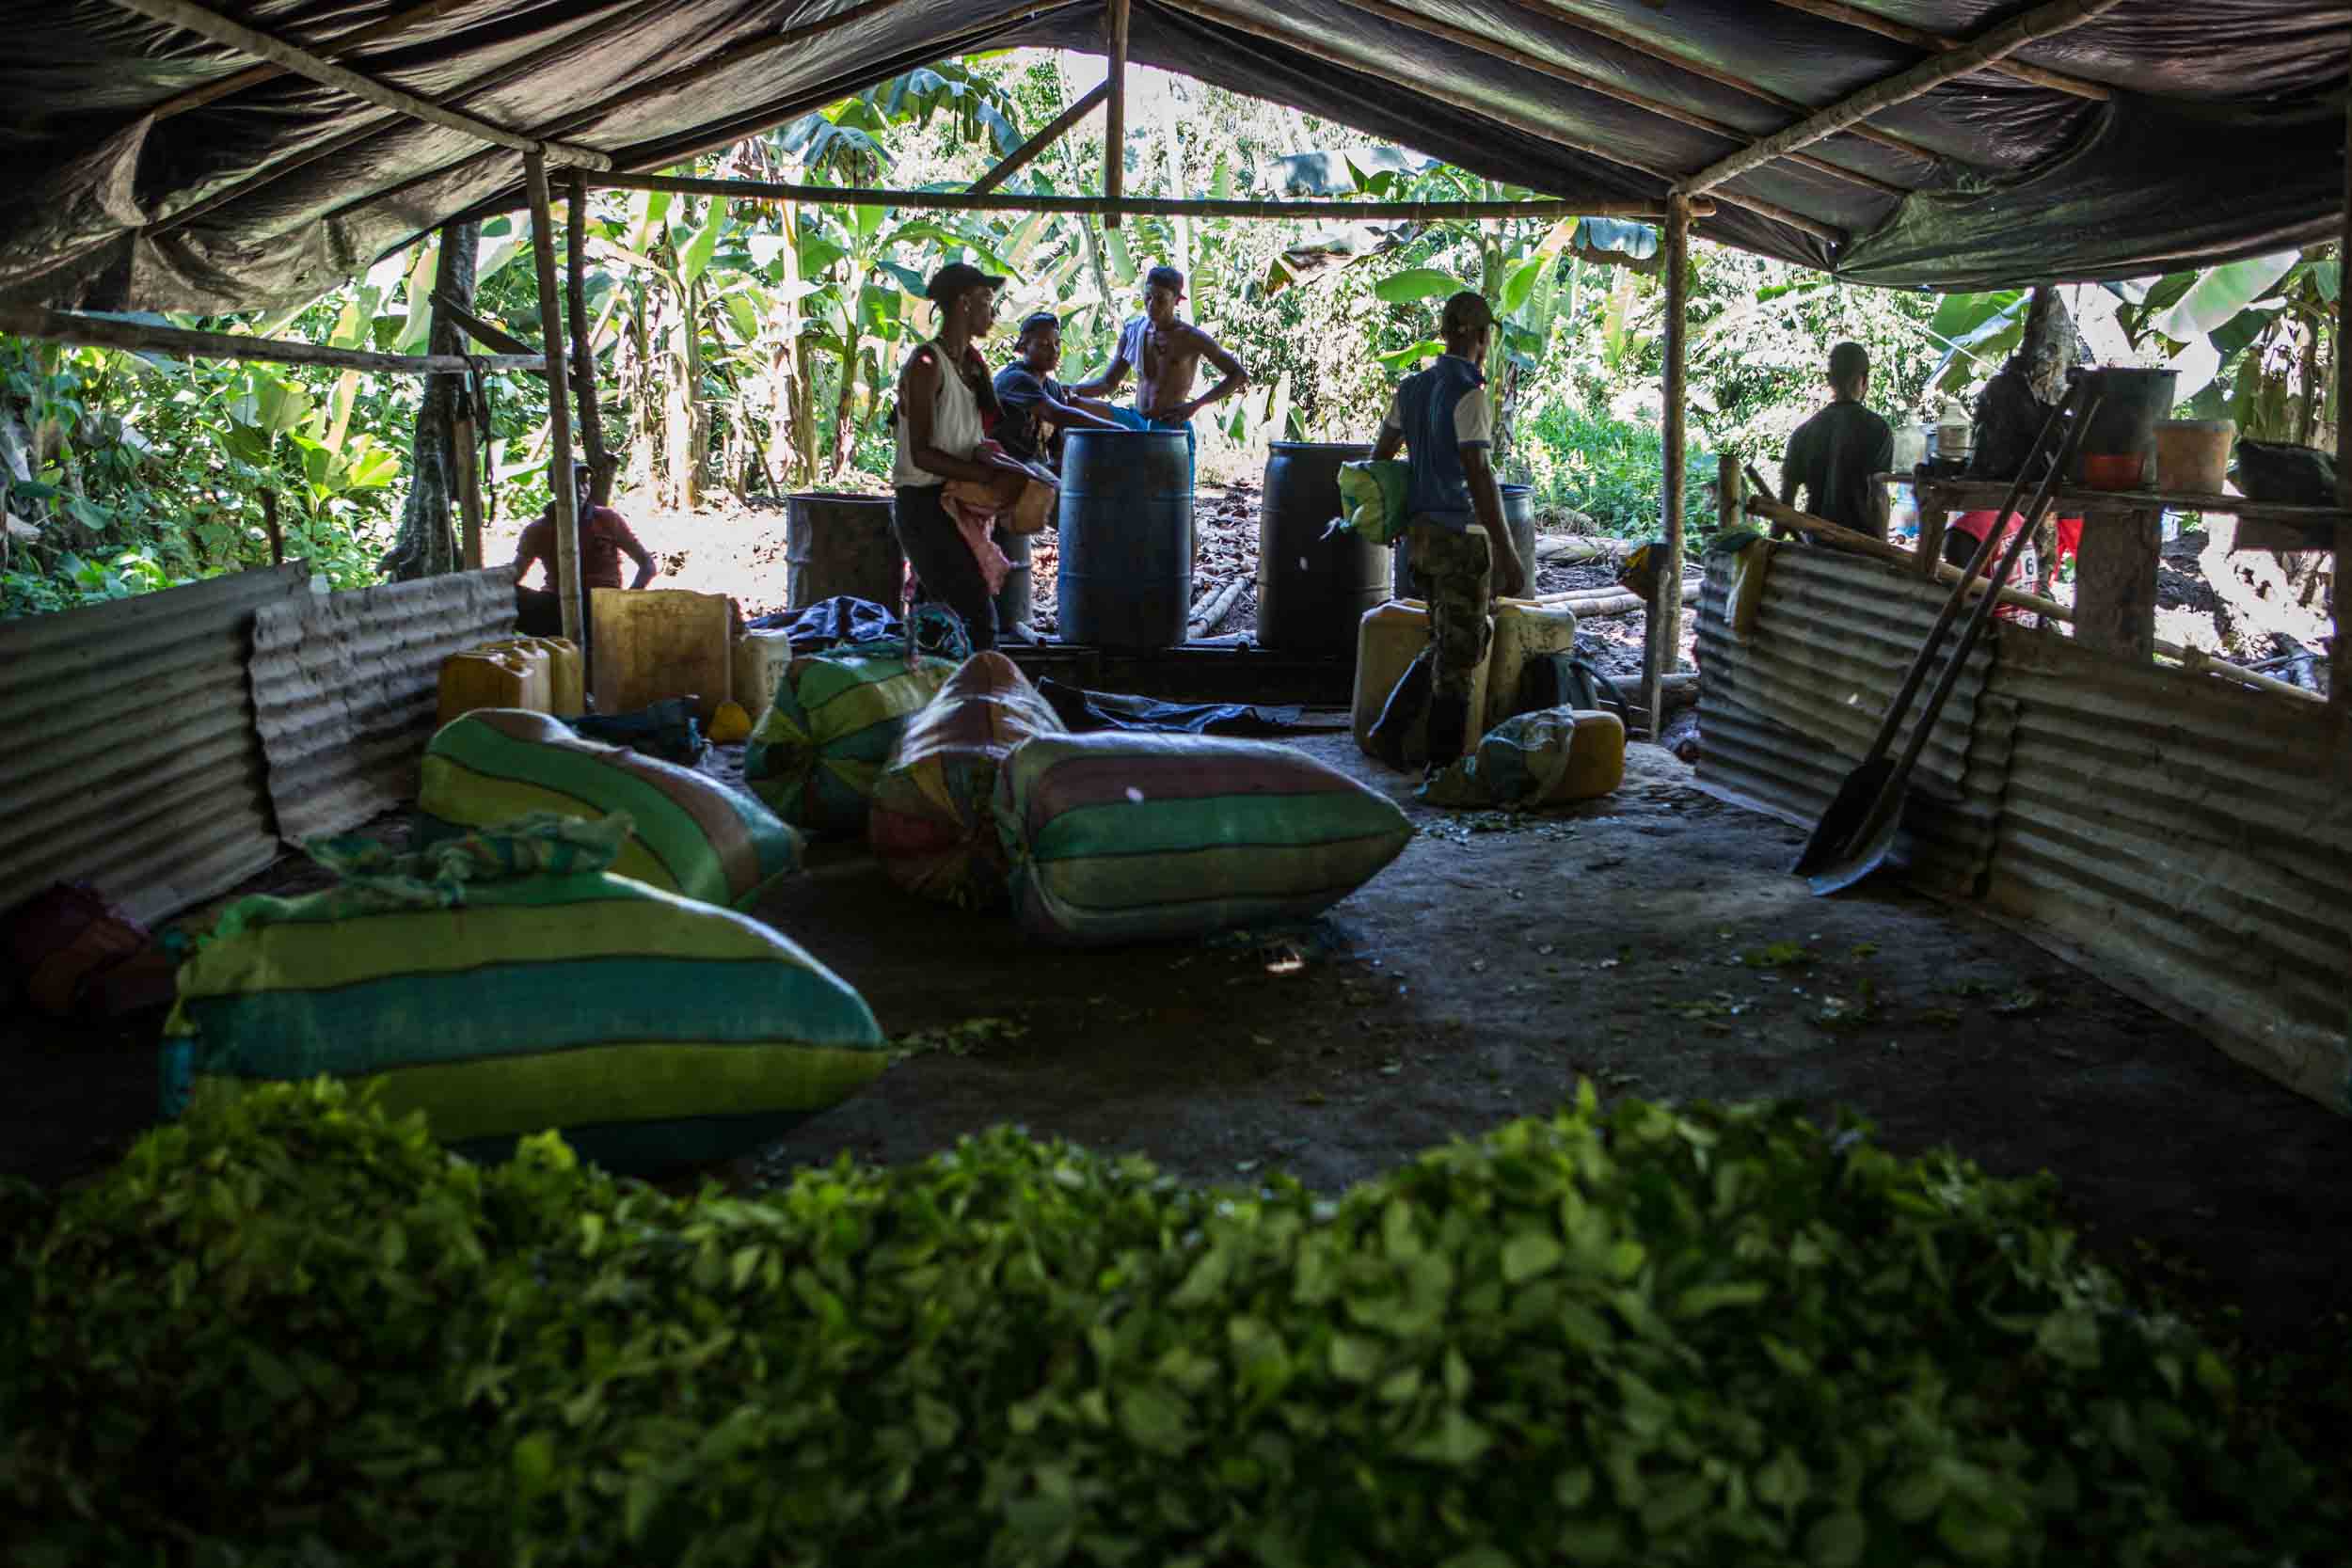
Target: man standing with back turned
1166,354
1832,454
1462,549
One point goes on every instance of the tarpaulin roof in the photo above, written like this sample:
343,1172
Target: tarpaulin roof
2220,133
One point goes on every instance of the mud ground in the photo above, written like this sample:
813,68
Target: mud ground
1650,940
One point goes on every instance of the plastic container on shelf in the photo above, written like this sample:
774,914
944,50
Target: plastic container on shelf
492,678
1387,640
2193,455
658,642
1524,629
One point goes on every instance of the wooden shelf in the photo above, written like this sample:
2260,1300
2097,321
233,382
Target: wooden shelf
2319,523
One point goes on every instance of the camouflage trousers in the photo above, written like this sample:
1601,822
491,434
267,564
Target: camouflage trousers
1453,571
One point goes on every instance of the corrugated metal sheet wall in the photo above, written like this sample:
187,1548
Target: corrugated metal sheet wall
346,686
1786,712
128,755
2191,838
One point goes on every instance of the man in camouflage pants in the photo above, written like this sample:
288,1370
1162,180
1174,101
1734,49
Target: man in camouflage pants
1462,551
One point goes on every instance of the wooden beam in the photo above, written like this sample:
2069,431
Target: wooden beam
2041,23
2339,649
1016,201
358,38
1566,14
558,409
1021,155
261,46
61,326
583,360
2115,583
483,333
1115,115
1919,37
1487,109
1661,642
1513,55
467,442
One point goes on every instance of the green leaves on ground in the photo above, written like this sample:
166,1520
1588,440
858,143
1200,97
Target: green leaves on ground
290,1330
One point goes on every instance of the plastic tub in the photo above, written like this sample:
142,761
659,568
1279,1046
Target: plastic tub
2193,455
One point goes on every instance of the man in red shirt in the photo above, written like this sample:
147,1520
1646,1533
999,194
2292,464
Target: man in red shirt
604,538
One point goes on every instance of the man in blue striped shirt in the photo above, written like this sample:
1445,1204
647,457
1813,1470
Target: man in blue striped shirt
1462,551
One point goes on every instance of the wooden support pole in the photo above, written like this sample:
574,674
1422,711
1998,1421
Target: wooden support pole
466,443
559,408
358,38
1143,206
1115,118
2115,582
583,351
261,46
2339,650
2041,23
1515,55
1919,37
1731,504
269,526
63,326
1020,156
1662,647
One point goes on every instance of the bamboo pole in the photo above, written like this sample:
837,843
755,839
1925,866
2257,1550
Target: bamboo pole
1016,201
1115,115
261,46
1730,509
1862,544
1919,37
1487,108
2042,22
1661,643
63,326
358,38
558,409
1020,156
583,349
1513,55
1568,13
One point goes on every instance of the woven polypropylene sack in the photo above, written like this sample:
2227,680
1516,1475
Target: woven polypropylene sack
694,835
1114,837
1546,758
505,982
830,728
933,824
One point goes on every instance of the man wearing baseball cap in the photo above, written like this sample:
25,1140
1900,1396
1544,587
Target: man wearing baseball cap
1165,353
1039,408
945,405
1462,550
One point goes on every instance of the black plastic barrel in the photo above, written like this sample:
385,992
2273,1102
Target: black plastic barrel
2131,403
1014,600
1125,578
1312,590
1518,511
835,544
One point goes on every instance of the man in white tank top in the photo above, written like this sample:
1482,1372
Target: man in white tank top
946,397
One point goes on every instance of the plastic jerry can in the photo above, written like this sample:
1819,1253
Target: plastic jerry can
759,660
567,695
658,642
1595,757
1524,629
492,678
1387,640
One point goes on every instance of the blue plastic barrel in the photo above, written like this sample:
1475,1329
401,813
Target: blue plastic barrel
1125,577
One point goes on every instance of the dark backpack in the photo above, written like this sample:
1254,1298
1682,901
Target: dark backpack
1407,706
1569,680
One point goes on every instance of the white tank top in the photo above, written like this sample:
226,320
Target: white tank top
955,424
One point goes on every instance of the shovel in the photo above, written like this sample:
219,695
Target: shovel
1854,833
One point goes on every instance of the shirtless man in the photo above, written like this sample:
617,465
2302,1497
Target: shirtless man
1166,355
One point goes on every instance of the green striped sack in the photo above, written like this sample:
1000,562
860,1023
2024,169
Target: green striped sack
694,835
827,735
1116,837
506,982
933,823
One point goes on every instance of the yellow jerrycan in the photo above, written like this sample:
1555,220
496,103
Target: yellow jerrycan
1387,640
1525,629
492,678
656,642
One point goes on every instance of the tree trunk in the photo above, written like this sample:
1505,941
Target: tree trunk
2050,343
426,544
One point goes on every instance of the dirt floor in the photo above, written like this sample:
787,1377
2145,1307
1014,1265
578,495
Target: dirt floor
1650,941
